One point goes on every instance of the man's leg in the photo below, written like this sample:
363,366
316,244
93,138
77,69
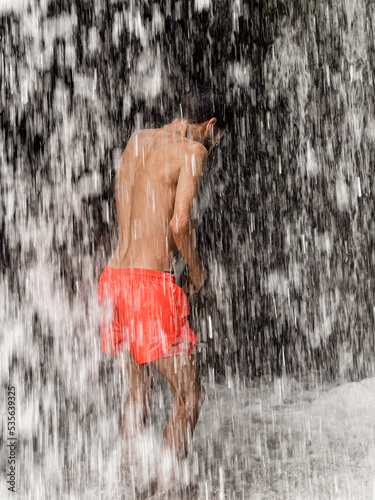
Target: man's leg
182,375
138,382
137,404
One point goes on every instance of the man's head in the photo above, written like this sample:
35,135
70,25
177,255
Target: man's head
207,114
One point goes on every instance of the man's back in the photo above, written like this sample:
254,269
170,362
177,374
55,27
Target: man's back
145,195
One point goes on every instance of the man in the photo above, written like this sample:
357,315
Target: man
145,312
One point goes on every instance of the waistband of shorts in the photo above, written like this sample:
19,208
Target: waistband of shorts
138,272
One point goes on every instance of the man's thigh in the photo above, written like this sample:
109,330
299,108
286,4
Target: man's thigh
180,372
136,376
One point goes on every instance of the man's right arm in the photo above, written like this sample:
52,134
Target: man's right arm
182,225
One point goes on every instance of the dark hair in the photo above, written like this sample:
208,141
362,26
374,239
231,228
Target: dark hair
202,103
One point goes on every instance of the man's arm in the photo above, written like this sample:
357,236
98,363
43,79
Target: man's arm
182,225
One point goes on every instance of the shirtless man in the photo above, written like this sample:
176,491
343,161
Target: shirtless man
146,313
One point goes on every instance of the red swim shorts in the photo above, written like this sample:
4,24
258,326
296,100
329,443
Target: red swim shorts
145,312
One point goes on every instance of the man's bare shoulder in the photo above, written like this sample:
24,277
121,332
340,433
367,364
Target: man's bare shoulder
195,148
141,136
196,154
165,146
138,141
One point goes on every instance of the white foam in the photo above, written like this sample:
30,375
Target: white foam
14,5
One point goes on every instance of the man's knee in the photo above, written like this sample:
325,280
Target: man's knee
193,398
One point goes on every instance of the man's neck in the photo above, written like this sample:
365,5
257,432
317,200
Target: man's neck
192,131
178,127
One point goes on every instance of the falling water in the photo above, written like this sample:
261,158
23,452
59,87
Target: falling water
286,227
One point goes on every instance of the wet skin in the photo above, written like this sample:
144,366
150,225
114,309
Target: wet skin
157,182
158,179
